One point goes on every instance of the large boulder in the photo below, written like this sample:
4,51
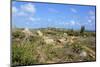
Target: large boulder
39,33
48,40
27,32
62,40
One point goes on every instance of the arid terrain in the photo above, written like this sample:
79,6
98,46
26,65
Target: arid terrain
52,45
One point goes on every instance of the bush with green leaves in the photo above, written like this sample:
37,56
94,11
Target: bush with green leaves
18,34
24,54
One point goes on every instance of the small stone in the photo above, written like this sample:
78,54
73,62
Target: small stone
83,54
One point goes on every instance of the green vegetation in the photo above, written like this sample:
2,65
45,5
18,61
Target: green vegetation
52,45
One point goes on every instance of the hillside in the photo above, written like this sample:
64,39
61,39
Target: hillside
52,45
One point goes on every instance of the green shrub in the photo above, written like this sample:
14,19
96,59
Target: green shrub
76,48
18,34
23,55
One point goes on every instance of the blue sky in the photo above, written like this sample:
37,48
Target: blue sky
43,15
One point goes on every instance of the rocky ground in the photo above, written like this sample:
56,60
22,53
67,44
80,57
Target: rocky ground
43,46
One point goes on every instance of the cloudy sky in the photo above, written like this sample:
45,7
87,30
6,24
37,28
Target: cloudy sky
43,15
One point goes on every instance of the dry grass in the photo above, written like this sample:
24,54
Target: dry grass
35,49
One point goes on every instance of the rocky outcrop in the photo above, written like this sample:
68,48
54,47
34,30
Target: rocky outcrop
39,33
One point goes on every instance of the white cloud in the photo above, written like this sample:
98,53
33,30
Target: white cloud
79,24
89,20
23,9
28,8
17,12
14,10
73,10
32,19
66,23
49,20
21,13
72,22
91,12
92,17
